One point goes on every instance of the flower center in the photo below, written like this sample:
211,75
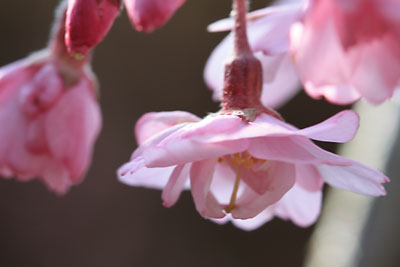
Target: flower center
238,160
241,159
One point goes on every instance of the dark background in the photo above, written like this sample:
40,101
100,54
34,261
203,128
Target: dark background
103,222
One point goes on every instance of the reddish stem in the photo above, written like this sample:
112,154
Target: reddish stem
240,30
243,72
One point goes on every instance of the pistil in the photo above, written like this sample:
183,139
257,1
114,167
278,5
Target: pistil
232,201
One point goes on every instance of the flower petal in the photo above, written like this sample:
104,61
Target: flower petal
255,222
283,86
251,223
260,177
187,143
175,185
154,122
296,149
72,127
300,205
355,177
340,128
201,175
135,173
308,177
250,204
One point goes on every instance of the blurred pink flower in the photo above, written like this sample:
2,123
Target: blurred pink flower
50,119
88,22
148,15
246,171
341,50
344,50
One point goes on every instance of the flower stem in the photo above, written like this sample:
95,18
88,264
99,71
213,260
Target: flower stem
243,72
241,44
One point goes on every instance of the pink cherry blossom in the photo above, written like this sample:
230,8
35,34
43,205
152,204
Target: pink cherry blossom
246,171
148,15
50,119
341,50
87,23
268,33
345,50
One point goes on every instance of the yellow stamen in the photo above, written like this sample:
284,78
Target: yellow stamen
232,202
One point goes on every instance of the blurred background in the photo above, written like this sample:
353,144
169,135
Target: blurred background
105,223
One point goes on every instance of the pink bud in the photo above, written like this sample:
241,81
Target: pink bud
148,15
88,22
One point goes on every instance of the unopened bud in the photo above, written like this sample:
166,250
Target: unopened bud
148,15
88,22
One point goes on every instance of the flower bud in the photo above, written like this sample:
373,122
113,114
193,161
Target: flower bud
88,22
148,15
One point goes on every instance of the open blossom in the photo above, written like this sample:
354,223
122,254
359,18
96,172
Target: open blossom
148,15
49,122
345,50
88,22
245,171
341,50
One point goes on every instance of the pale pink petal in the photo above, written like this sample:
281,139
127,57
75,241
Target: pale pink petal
135,173
187,143
255,222
308,177
295,149
185,151
377,68
223,182
300,205
201,175
154,122
251,223
270,34
340,128
364,52
355,177
156,139
250,204
215,65
323,74
236,129
262,175
283,86
175,185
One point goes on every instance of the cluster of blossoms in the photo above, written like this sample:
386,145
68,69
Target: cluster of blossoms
244,163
